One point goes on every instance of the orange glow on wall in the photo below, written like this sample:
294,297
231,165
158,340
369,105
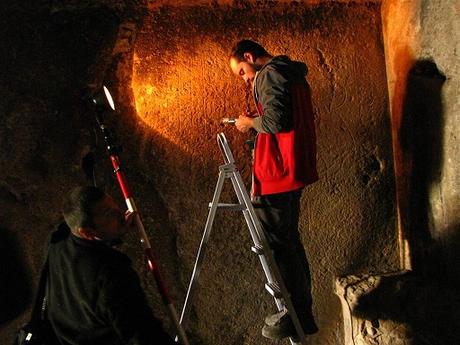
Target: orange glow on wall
184,92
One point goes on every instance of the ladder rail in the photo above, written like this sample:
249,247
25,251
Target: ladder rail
202,249
265,264
225,148
257,234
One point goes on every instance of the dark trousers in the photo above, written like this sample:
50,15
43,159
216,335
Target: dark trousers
279,217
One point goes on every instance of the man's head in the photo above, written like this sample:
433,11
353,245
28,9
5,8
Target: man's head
93,215
246,58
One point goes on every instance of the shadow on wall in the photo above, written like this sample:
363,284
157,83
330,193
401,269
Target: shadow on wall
16,293
421,136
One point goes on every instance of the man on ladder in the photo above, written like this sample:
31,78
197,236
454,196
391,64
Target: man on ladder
284,163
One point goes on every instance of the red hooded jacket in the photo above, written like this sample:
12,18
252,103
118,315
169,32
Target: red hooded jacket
285,147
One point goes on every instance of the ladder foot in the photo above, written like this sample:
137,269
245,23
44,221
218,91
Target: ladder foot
274,290
258,249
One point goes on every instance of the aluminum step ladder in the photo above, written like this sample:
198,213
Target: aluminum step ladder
274,285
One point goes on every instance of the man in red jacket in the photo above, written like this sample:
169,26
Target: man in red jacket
284,163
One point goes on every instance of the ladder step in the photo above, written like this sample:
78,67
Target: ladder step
258,249
273,289
230,207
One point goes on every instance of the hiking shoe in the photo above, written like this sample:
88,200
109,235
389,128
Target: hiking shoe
280,325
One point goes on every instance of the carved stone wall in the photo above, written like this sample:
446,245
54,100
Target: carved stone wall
168,69
183,86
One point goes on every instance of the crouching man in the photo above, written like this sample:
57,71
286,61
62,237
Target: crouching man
94,296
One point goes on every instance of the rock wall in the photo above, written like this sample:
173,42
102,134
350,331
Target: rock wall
170,77
183,86
50,56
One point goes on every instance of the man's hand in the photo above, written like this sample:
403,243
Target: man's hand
244,123
130,219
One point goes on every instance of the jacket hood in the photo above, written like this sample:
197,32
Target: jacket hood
284,63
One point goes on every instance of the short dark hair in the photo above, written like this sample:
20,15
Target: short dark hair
248,46
78,205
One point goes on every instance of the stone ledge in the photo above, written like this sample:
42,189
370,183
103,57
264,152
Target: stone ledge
397,308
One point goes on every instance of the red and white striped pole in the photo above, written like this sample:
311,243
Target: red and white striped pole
102,102
151,263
